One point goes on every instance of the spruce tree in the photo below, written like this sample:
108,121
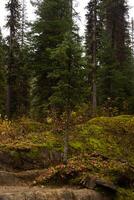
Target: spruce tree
59,70
48,32
18,73
93,36
24,98
23,22
13,23
2,76
68,92
116,71
68,69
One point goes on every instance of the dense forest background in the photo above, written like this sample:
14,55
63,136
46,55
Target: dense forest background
66,101
48,70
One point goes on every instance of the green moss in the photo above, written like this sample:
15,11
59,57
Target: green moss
111,136
125,194
89,129
15,154
33,154
77,145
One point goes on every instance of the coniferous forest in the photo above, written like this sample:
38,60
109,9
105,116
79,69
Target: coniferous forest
66,100
46,67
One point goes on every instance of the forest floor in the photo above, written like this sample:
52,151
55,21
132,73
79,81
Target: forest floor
101,156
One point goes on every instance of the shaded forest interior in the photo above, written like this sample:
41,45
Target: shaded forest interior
60,91
48,70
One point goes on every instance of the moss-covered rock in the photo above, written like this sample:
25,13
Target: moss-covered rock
111,136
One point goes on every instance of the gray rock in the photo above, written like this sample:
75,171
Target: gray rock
50,194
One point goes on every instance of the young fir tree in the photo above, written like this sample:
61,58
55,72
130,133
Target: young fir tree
69,72
68,91
116,71
48,32
59,70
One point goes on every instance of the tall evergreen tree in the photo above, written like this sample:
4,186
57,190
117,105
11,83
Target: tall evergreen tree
24,98
2,76
59,70
23,21
13,23
93,29
48,32
113,53
116,72
18,76
68,69
132,34
69,89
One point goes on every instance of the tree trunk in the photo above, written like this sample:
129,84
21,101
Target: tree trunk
132,37
66,136
8,100
68,110
94,90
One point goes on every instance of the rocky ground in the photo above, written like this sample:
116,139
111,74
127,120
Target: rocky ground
37,193
101,164
20,186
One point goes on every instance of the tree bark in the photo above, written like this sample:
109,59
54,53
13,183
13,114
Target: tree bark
68,110
66,137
